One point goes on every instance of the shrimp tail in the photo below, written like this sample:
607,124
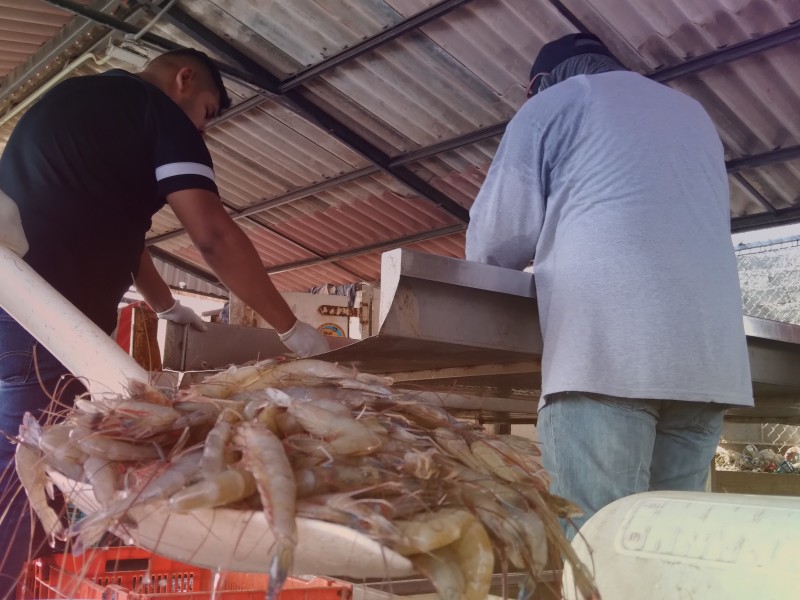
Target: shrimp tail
279,570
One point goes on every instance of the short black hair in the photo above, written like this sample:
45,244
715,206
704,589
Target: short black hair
213,70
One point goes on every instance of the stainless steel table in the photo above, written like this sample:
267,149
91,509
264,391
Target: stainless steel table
471,332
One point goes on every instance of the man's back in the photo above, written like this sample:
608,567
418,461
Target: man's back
635,271
81,167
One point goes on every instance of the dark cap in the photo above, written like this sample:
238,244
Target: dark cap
554,53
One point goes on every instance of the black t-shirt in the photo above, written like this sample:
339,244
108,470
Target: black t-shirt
89,165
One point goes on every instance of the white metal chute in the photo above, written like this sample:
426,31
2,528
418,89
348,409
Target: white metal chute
667,545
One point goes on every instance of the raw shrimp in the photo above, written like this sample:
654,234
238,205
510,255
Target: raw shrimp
519,531
234,379
452,442
118,450
215,449
420,464
305,372
366,515
30,469
195,413
505,462
442,568
428,416
353,399
336,478
58,450
129,419
56,439
343,434
264,457
144,392
165,480
104,477
583,578
32,434
311,372
216,489
321,441
429,531
460,532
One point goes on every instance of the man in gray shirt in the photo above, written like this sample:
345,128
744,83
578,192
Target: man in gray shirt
615,186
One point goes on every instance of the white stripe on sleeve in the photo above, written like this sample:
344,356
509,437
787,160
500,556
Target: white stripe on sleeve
184,168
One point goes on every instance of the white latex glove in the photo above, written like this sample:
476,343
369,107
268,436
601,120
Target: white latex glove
12,236
304,340
177,313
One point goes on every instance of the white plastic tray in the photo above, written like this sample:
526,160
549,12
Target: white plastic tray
237,540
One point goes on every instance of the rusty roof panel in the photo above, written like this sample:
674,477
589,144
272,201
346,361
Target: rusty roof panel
356,214
272,249
459,173
178,278
307,31
275,151
753,101
302,280
780,183
370,264
25,26
650,35
398,110
440,82
456,74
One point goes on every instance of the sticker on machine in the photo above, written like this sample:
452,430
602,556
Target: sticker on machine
331,329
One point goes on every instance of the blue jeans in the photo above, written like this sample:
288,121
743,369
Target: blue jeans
601,448
25,369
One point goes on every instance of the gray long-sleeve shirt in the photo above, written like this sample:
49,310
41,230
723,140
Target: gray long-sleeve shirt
616,187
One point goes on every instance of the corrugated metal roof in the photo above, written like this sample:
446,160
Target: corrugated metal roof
25,26
320,206
178,278
370,264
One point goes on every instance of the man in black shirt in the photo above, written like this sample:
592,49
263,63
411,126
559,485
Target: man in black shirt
88,166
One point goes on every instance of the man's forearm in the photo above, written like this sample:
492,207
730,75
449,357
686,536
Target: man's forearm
151,286
235,261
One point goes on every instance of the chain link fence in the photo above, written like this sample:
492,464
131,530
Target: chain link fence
770,279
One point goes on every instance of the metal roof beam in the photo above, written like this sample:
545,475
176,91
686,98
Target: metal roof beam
270,83
112,22
267,81
569,16
393,166
211,278
279,200
379,247
781,217
184,265
398,29
733,167
451,144
304,192
760,160
299,244
752,192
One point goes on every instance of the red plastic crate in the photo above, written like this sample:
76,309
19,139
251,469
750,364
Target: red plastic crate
128,573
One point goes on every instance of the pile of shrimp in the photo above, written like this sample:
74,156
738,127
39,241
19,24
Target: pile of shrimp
308,438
